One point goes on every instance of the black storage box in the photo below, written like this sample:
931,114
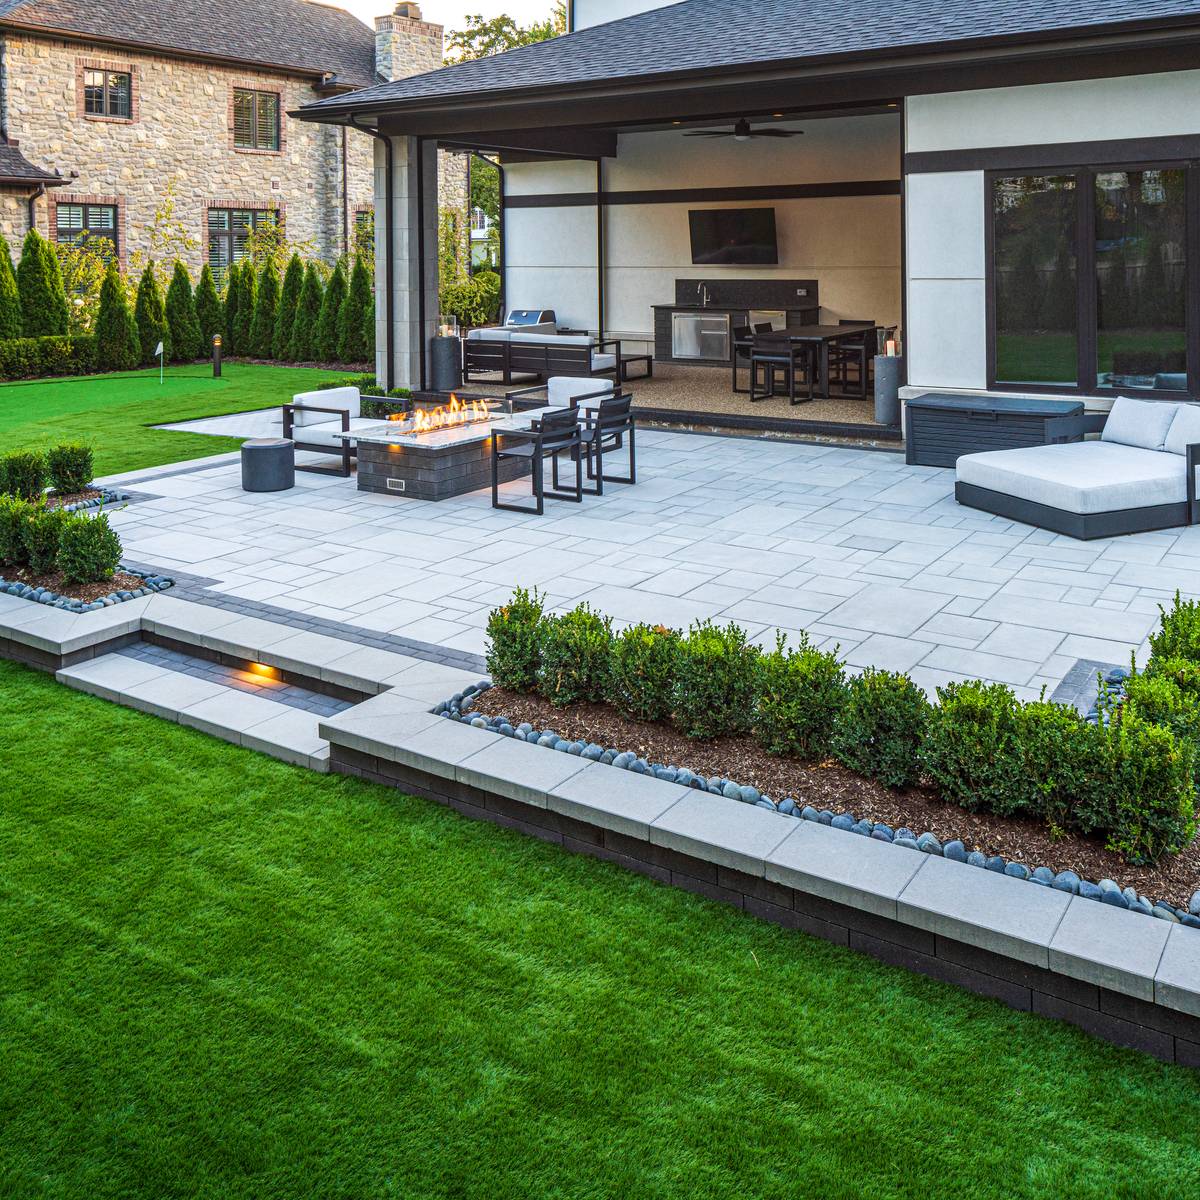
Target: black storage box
942,426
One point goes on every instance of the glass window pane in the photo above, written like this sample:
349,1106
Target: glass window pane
118,94
268,121
93,92
1141,234
218,218
243,118
1034,226
70,216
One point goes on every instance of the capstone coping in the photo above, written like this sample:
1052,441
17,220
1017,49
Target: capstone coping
1177,981
739,836
517,770
1119,950
611,799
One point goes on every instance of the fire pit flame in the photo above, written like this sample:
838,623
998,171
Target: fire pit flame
446,416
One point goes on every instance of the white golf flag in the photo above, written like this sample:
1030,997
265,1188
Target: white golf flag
159,348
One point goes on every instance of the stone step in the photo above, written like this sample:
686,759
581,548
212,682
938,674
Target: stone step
165,685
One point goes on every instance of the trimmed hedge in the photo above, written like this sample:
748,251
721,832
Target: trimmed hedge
46,357
23,474
89,549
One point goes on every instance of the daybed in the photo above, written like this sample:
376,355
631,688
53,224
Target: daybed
315,422
1139,475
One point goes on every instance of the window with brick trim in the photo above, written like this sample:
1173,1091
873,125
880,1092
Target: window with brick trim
77,224
229,231
255,119
107,94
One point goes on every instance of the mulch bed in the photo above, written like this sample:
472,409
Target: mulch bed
122,581
828,785
57,501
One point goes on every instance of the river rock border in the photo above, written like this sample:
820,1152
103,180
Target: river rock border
151,583
1105,891
107,496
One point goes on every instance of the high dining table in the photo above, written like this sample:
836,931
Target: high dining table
821,337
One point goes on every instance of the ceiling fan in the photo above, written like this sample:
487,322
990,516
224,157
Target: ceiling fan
743,132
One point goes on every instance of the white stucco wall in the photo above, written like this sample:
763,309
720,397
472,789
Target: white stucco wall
851,245
946,212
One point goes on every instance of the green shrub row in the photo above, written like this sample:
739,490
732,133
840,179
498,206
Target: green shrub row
85,549
25,473
1131,780
47,357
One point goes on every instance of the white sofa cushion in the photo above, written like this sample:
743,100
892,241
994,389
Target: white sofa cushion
1141,423
344,399
329,433
1185,429
562,389
490,334
558,339
603,362
1080,477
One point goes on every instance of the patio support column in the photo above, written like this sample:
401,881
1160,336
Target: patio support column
414,275
600,251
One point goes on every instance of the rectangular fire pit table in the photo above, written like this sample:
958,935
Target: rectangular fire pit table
436,464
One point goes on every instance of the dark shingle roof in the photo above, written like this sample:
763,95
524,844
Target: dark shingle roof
307,37
15,168
715,35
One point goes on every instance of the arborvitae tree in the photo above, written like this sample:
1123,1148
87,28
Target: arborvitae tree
209,314
285,314
302,347
244,319
40,284
151,318
233,293
369,327
266,304
10,299
353,346
118,347
181,316
330,325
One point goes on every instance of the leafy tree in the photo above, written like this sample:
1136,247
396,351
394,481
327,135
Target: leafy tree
118,347
330,324
285,313
262,331
181,316
40,284
230,306
10,300
303,344
83,265
243,326
151,317
353,346
168,236
209,315
484,36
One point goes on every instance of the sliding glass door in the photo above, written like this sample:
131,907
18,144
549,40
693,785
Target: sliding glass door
1090,280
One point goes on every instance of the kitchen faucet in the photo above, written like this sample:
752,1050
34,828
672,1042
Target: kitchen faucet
702,292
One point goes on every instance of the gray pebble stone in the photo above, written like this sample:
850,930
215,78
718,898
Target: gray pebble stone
1194,904
1067,881
843,821
995,863
1017,870
929,844
808,813
955,851
1089,891
977,858
907,842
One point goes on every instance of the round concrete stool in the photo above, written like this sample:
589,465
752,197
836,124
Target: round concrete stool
268,465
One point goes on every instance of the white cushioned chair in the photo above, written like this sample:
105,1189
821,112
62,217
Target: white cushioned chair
1139,475
315,422
563,391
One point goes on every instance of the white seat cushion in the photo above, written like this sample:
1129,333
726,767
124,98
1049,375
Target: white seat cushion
562,389
488,335
1141,423
329,433
1185,429
603,362
1080,477
344,399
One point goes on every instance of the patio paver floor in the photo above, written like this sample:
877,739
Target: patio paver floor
852,545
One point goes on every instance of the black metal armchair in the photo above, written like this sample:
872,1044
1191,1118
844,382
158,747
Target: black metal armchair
743,343
556,434
608,429
856,352
773,356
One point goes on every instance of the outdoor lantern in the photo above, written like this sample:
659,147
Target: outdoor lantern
216,355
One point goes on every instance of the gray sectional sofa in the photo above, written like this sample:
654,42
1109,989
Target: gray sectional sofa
1138,475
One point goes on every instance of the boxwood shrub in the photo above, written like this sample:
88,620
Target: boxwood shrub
514,648
89,549
716,684
1066,767
23,474
42,357
14,515
800,693
42,532
881,726
576,651
642,669
69,467
1178,634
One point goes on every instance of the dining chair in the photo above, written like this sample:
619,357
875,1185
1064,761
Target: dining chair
742,343
608,428
784,357
854,352
555,434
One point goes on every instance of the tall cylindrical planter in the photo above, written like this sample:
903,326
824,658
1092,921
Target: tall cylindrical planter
445,363
889,369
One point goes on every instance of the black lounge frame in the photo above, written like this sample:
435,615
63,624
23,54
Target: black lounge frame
609,429
539,359
549,438
1086,526
346,453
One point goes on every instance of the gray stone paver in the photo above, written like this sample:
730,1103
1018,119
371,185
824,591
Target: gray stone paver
1109,947
851,544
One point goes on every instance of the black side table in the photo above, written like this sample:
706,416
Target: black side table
268,465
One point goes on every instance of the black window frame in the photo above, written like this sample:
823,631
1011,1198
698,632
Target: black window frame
108,93
1086,308
70,236
258,216
274,144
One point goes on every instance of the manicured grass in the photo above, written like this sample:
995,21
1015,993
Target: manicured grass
1050,357
224,977
114,412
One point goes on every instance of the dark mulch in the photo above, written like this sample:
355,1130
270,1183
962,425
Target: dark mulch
57,501
120,582
828,785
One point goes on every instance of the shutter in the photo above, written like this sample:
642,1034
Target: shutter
243,118
267,131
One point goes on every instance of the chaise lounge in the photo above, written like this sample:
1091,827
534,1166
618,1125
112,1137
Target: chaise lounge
1139,475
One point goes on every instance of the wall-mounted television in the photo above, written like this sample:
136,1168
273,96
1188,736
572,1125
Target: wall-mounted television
723,236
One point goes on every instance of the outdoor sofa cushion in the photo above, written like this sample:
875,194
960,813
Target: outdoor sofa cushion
1185,429
346,399
329,433
1080,477
491,334
562,389
1141,423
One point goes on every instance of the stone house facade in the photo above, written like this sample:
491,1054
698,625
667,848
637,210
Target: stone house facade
106,131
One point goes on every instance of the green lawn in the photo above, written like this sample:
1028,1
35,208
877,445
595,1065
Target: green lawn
1050,357
224,977
114,412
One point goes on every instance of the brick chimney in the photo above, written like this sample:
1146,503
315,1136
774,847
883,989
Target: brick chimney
405,44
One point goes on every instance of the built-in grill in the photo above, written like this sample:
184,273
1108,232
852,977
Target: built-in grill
518,317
